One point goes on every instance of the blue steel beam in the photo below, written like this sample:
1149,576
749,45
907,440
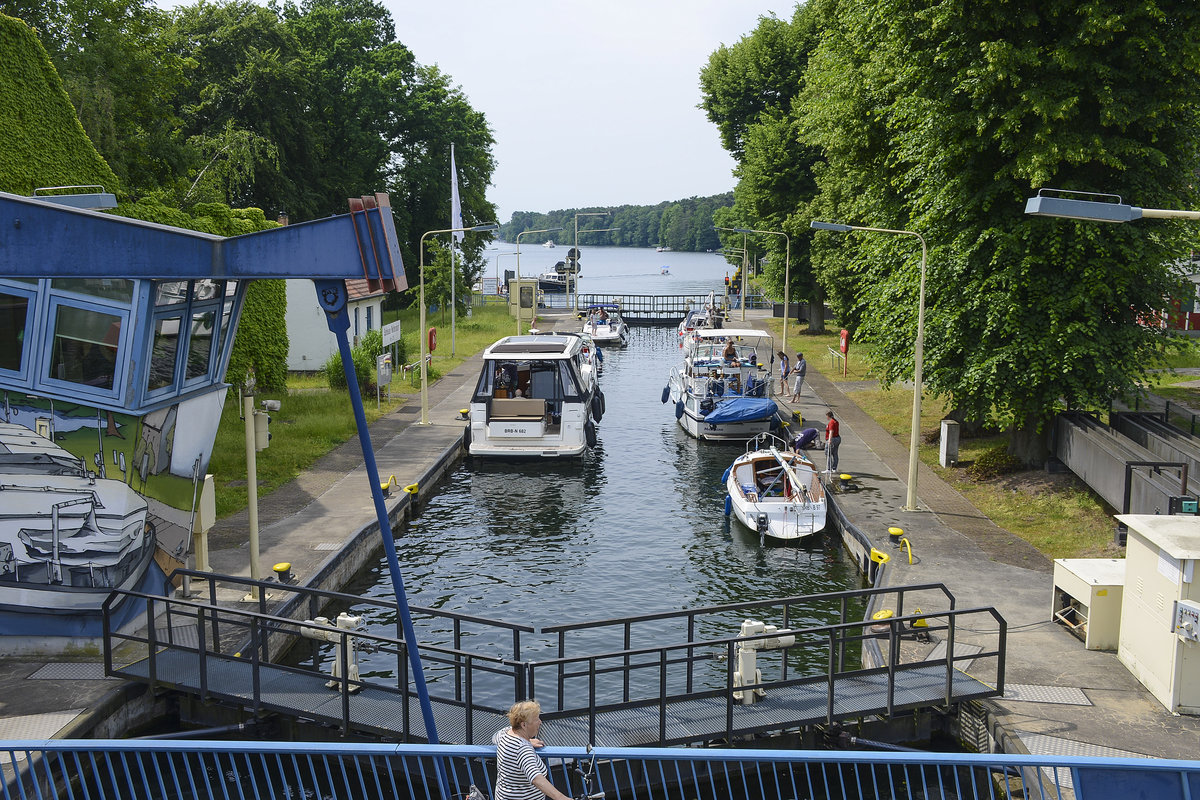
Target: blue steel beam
45,239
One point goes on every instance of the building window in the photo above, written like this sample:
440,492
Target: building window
14,314
85,347
370,309
200,344
118,289
164,353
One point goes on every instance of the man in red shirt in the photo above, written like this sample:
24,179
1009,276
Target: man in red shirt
833,440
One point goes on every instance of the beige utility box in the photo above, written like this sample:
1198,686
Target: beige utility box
522,297
1160,642
1087,599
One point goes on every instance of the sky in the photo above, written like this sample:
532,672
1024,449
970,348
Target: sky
591,104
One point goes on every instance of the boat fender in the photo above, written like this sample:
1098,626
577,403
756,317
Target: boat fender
603,401
589,430
597,406
725,475
728,505
678,409
666,395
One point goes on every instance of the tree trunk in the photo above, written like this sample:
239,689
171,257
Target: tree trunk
1029,442
816,309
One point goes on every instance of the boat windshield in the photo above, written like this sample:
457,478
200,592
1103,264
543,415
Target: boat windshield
556,381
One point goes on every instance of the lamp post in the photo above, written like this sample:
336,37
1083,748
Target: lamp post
918,348
422,335
787,274
745,264
1044,205
518,240
575,300
575,278
498,269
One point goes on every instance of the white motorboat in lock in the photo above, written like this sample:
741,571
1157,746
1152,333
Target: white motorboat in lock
707,315
775,491
604,324
534,399
723,390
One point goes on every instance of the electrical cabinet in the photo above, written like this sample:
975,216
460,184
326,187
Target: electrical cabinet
1161,608
1087,599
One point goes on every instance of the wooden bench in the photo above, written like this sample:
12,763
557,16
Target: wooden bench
518,408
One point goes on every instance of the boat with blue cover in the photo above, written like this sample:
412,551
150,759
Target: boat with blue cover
723,389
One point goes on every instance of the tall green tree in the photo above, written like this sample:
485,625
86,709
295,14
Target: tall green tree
117,68
749,91
941,117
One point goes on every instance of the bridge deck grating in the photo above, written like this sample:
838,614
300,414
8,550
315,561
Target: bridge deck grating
696,719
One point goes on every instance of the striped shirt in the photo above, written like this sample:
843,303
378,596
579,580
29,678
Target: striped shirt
517,764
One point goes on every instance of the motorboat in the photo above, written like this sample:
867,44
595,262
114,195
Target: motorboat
534,398
665,271
603,322
707,315
775,491
548,243
723,389
67,537
556,280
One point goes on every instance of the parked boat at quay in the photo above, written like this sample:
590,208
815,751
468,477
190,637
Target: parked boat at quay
775,491
723,390
533,398
707,316
605,324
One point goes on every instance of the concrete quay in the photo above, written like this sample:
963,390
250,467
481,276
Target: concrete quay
1061,699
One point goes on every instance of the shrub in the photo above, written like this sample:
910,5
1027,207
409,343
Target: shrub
369,346
993,463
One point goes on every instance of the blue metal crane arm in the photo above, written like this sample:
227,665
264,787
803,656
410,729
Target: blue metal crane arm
40,238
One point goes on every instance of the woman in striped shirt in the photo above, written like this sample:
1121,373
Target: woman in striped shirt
520,774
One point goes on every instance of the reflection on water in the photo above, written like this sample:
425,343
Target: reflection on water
636,526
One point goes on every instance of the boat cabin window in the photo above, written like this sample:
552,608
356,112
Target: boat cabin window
553,381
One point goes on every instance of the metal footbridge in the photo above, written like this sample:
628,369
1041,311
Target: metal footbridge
697,676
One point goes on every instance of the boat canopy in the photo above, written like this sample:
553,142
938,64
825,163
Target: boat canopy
741,409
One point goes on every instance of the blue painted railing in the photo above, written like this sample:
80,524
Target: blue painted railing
136,769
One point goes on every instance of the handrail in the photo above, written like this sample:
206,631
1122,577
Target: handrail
62,769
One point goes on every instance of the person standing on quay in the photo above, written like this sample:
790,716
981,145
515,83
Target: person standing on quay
798,373
520,774
785,367
833,439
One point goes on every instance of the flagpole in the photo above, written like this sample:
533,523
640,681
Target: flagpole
455,222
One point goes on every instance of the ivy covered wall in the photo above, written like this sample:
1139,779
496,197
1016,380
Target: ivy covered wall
43,144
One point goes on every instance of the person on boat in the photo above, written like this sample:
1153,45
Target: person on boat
603,315
730,352
520,773
833,439
785,369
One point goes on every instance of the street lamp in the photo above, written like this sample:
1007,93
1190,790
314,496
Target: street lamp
918,348
1044,205
575,275
422,335
743,232
787,274
453,302
498,269
518,240
575,300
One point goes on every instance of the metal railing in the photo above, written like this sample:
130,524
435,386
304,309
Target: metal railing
595,671
109,769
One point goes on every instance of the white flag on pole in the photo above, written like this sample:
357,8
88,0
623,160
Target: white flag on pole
456,219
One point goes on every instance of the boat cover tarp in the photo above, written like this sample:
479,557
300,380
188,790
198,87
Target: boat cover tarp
741,409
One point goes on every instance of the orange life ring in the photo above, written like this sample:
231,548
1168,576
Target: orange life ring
432,339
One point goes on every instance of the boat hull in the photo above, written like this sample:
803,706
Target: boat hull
777,494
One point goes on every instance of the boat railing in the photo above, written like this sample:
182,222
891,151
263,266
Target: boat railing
63,769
